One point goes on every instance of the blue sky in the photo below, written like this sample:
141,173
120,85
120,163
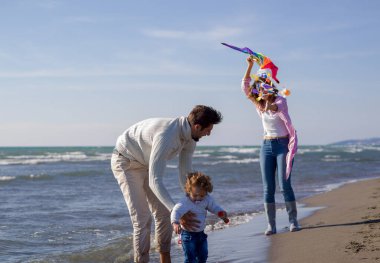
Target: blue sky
81,72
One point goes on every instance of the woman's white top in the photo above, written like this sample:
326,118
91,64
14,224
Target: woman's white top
273,125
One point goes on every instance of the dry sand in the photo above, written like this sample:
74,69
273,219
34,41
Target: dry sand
346,230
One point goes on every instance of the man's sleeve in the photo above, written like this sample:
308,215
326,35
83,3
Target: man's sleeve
185,163
157,164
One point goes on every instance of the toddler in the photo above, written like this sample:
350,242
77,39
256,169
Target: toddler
197,200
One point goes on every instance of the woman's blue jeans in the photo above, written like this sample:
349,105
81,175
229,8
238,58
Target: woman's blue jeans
194,246
272,158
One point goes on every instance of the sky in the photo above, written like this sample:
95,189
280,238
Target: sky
78,73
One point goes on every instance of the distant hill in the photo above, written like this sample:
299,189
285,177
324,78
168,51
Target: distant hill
369,141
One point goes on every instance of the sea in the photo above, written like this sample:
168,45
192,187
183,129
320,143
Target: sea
63,204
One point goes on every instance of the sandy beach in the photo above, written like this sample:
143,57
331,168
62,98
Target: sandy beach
342,225
346,229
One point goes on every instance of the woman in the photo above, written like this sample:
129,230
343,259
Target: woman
279,145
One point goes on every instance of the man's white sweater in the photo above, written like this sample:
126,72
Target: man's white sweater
152,143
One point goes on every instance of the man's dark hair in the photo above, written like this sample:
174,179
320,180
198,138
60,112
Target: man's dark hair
204,116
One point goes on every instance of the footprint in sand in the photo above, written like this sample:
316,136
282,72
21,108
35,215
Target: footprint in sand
355,246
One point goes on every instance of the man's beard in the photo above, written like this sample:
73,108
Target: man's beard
195,138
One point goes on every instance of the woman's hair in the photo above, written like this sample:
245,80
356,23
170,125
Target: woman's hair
204,116
198,179
260,104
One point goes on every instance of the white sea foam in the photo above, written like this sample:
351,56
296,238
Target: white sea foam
199,155
331,158
53,158
239,150
201,151
372,148
330,187
7,178
307,150
172,166
227,157
31,176
36,176
353,149
234,221
240,161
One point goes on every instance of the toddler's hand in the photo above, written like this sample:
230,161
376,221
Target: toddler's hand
223,216
177,228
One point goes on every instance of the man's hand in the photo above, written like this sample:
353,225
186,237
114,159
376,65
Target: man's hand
176,228
189,222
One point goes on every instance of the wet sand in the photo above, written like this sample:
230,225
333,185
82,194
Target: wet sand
245,243
346,229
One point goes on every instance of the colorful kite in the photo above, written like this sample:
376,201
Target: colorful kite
257,56
268,70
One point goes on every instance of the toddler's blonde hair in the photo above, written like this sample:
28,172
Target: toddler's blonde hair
198,179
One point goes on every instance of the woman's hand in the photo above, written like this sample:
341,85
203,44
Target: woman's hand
250,60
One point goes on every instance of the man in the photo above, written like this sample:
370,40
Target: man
139,162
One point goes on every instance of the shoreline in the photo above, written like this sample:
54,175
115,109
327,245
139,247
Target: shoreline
345,229
246,243
243,243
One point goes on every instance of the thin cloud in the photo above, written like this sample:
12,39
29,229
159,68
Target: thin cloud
349,55
50,133
311,54
213,34
164,68
5,56
47,73
336,27
48,4
165,33
298,55
80,19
